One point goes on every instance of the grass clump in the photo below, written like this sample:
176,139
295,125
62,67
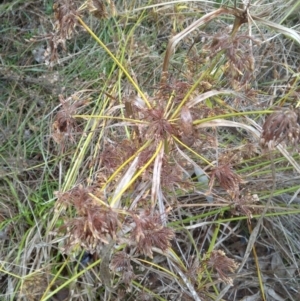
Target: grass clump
152,173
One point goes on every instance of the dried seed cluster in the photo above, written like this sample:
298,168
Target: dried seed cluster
282,126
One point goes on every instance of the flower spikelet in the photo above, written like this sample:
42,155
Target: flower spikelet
159,127
120,263
149,232
94,222
219,262
227,178
97,9
65,125
243,204
65,14
281,126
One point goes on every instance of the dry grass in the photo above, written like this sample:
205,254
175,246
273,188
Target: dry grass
150,151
